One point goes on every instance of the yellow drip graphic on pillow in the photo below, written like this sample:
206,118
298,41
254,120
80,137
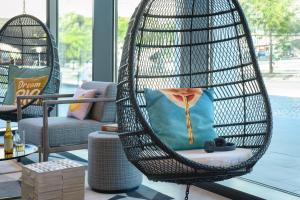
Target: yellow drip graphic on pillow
75,106
185,98
188,120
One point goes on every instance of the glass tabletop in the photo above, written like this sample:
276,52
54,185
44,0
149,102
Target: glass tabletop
29,149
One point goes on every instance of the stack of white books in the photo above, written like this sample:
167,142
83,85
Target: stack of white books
59,180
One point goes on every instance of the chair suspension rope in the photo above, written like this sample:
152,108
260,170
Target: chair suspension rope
24,6
187,192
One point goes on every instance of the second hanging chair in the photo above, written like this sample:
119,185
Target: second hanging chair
26,46
191,44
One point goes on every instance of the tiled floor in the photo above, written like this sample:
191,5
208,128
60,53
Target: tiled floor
172,190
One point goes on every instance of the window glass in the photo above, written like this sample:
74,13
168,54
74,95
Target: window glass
125,10
276,35
75,43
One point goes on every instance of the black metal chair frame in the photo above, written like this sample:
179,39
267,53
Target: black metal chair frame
27,25
196,36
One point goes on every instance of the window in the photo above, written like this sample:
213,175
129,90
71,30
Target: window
15,7
75,43
277,44
125,10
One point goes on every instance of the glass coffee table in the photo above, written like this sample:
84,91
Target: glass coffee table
29,149
15,185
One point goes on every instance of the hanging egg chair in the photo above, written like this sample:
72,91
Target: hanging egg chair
192,44
26,46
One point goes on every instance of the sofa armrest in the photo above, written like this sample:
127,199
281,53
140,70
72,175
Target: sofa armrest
44,96
37,97
85,100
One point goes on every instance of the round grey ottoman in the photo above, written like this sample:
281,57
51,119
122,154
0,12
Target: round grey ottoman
109,171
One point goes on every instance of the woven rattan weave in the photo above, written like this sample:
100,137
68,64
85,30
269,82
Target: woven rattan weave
26,42
183,44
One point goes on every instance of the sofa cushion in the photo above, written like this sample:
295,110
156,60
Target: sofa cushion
103,112
62,130
218,159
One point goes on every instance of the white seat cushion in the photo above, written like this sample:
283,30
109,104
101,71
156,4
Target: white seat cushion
217,159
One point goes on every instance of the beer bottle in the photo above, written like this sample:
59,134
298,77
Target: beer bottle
8,139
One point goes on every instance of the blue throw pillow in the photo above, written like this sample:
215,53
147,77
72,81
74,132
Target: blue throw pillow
18,72
181,117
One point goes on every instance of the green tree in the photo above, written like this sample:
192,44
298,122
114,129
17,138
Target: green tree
122,28
76,37
272,17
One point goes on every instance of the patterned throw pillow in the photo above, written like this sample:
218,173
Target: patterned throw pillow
29,86
181,117
21,72
80,110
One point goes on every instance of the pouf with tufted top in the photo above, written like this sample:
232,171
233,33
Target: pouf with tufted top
109,170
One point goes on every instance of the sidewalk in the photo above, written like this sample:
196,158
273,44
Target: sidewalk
283,84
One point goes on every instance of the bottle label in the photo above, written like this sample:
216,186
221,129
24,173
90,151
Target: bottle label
8,145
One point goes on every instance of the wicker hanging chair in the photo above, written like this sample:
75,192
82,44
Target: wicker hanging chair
192,43
26,42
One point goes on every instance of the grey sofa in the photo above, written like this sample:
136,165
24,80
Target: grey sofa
57,134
